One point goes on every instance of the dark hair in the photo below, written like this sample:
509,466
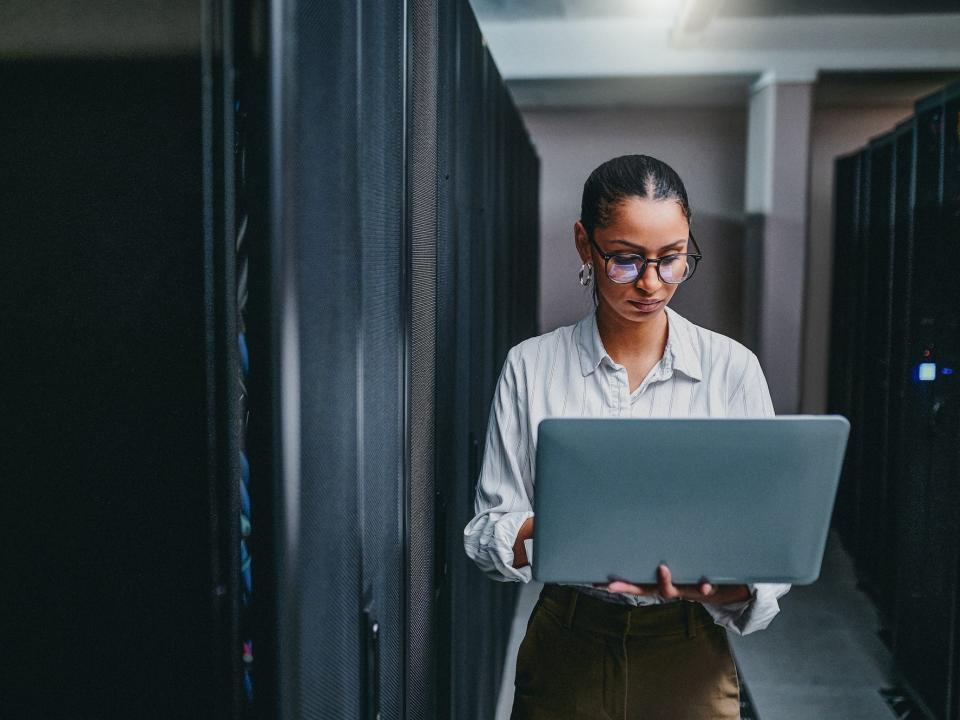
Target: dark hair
626,176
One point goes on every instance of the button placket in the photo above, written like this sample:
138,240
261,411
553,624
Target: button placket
624,394
614,392
663,370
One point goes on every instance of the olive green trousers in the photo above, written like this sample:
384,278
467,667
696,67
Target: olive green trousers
585,658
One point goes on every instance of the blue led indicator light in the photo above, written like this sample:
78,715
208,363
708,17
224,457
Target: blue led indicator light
946,371
927,372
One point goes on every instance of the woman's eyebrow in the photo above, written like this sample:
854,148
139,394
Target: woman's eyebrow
641,248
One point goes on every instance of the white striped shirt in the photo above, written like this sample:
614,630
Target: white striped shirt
568,373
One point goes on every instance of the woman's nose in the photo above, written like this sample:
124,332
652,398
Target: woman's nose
648,278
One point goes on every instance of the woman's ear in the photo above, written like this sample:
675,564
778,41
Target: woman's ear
581,240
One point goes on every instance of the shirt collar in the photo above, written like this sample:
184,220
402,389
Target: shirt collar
680,354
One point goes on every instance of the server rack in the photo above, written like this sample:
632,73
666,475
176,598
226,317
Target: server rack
488,221
900,489
336,222
117,479
481,145
842,328
926,651
875,536
397,373
947,413
269,295
849,288
900,492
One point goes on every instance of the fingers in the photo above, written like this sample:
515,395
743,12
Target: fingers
704,591
669,590
664,587
625,587
701,592
665,582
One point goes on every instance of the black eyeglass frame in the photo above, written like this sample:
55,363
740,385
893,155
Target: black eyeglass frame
643,262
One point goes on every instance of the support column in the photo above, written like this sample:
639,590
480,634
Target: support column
778,165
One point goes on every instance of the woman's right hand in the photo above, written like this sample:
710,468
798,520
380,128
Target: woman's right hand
519,551
702,592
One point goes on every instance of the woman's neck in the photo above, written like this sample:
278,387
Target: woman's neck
626,341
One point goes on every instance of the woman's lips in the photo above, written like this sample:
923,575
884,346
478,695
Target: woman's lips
646,305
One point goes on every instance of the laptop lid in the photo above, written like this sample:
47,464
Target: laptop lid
730,499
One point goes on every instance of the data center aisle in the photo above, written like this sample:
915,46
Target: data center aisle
819,658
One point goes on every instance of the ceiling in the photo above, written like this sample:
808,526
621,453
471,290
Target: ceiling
570,52
505,10
769,8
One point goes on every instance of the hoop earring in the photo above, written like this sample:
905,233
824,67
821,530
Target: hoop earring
586,273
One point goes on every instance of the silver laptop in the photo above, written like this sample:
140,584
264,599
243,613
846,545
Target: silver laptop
731,500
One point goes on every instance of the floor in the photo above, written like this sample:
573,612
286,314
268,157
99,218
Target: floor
819,658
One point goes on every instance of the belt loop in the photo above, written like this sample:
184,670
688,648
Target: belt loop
690,619
570,609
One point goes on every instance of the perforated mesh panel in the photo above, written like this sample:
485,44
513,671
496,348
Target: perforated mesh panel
379,268
361,208
319,217
487,214
341,167
451,448
422,205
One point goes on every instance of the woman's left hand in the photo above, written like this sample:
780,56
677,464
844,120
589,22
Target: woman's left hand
703,592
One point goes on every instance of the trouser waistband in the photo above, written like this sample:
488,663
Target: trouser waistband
576,609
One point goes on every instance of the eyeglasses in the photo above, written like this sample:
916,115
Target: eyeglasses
671,269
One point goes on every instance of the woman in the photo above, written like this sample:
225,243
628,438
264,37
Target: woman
619,650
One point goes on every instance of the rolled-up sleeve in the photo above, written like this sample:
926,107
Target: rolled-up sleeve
751,398
750,615
504,489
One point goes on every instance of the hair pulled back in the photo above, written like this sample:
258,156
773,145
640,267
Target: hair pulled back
626,176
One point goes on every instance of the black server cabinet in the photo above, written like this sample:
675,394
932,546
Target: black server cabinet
946,407
844,320
121,509
261,294
850,285
388,223
338,346
487,215
897,325
875,537
236,180
464,321
457,251
947,418
130,214
899,479
858,388
926,645
421,204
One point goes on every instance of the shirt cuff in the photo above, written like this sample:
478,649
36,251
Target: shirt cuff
505,534
749,615
491,546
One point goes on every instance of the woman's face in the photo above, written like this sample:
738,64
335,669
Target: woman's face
652,228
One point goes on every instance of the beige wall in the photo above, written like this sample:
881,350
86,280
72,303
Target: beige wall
706,146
